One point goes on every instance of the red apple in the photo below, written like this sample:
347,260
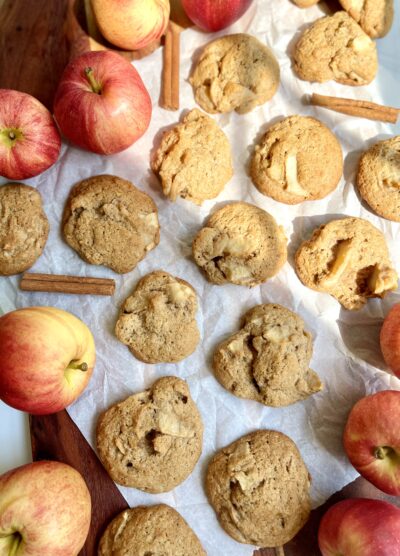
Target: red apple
372,440
360,527
390,339
213,15
45,510
29,139
101,103
46,359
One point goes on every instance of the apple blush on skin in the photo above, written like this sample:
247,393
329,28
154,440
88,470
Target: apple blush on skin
101,103
214,15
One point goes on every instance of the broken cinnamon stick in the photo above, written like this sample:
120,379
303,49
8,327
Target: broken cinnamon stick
360,108
60,283
171,63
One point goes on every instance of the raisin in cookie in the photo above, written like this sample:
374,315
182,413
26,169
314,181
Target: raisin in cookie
194,159
158,321
349,259
23,228
335,47
268,359
149,530
153,439
241,244
235,72
259,489
374,16
298,159
108,221
378,178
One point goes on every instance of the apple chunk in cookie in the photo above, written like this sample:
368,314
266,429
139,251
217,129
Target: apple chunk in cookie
268,359
158,321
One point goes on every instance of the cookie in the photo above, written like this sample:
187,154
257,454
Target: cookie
149,530
374,16
194,159
347,258
153,439
335,47
109,222
268,359
241,244
259,489
378,178
305,3
23,228
298,159
235,72
158,321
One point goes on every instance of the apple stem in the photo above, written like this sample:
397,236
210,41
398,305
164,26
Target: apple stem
81,367
15,544
12,135
96,88
381,452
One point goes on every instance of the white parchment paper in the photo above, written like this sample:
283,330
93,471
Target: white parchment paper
346,345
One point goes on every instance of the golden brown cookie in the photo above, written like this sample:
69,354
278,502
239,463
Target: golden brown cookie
268,359
378,178
235,72
241,244
153,439
194,159
23,228
335,47
108,221
298,159
149,530
259,489
374,16
158,321
347,258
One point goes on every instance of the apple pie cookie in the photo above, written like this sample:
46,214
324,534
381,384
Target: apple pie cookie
298,159
158,321
23,228
235,72
268,359
259,488
153,439
336,47
378,178
149,530
110,222
241,244
194,159
374,16
349,259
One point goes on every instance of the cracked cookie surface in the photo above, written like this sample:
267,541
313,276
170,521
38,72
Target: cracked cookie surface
349,259
374,16
23,228
378,178
110,222
153,439
241,244
194,159
298,159
268,359
259,489
149,530
158,321
235,72
335,47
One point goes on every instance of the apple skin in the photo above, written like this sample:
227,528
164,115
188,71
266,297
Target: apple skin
360,527
48,504
131,24
34,144
107,121
390,339
213,15
372,440
37,348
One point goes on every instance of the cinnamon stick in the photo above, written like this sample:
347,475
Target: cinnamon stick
360,108
171,63
61,283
